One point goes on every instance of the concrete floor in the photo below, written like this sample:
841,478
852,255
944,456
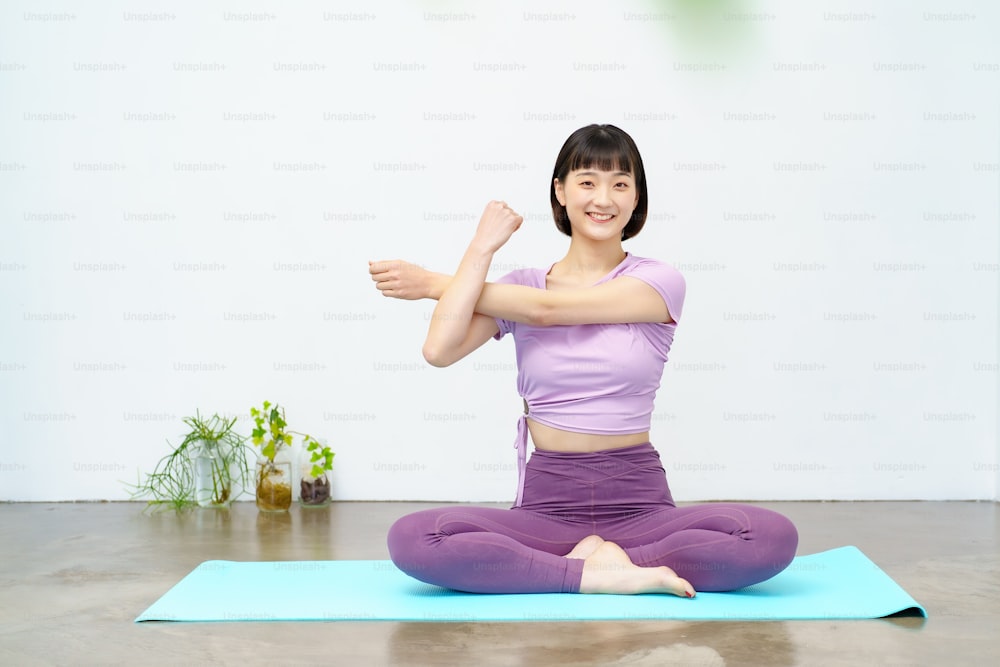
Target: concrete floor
74,576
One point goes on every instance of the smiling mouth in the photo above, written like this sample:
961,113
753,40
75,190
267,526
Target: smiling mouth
600,217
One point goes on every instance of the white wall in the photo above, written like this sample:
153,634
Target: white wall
190,193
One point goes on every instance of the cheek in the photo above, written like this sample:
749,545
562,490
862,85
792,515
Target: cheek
627,201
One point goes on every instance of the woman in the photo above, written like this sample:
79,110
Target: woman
593,513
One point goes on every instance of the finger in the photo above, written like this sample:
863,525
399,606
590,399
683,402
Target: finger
384,265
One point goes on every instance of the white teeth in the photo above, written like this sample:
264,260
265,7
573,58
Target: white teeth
601,216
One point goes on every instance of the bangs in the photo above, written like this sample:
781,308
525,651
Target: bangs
603,151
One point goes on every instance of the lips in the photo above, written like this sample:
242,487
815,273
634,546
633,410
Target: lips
600,217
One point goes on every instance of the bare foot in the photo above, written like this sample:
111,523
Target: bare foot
586,546
609,570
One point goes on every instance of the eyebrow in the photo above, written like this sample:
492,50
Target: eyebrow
594,173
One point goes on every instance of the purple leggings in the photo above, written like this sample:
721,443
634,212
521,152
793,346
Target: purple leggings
620,495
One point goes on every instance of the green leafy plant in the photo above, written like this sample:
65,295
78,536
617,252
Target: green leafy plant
272,438
314,487
271,434
321,457
275,434
175,482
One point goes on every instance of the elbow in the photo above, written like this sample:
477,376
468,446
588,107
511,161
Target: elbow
434,357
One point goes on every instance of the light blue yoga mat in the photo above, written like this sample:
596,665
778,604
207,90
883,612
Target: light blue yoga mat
837,584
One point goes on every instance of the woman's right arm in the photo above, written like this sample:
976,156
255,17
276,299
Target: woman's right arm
455,328
481,329
401,280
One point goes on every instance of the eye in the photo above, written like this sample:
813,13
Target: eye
586,183
621,185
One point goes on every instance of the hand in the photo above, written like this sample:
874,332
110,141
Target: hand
402,280
496,226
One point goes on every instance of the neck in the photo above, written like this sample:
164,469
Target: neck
586,257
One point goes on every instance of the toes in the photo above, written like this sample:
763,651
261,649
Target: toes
681,587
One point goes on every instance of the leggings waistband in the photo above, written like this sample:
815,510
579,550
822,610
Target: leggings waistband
596,486
521,445
643,449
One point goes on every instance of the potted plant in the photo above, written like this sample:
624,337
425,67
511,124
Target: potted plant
274,467
221,473
314,487
208,469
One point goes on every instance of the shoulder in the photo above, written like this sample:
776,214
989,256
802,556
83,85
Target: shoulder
662,277
647,266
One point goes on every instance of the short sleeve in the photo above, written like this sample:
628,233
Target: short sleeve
665,279
515,277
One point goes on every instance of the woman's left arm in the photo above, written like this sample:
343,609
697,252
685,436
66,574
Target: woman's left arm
619,301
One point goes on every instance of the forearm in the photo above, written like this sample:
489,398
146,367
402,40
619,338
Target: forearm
619,301
457,298
517,303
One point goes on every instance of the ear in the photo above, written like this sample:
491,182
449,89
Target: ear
560,191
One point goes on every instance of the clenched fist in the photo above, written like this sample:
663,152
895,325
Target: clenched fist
499,221
402,280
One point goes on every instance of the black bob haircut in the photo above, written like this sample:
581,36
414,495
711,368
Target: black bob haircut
607,148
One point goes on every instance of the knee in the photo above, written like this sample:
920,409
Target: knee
402,535
406,539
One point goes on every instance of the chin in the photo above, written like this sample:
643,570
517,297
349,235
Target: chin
604,238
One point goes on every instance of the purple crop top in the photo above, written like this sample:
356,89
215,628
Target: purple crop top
592,378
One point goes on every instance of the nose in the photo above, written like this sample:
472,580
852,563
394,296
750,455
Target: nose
602,197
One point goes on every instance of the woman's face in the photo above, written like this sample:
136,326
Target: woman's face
599,203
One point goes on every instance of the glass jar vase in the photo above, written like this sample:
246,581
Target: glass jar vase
274,482
213,476
314,491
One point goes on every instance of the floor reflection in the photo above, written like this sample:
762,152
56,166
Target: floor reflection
599,642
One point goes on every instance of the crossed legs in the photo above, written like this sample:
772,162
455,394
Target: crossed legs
711,547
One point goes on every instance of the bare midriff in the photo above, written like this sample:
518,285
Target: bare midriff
557,440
